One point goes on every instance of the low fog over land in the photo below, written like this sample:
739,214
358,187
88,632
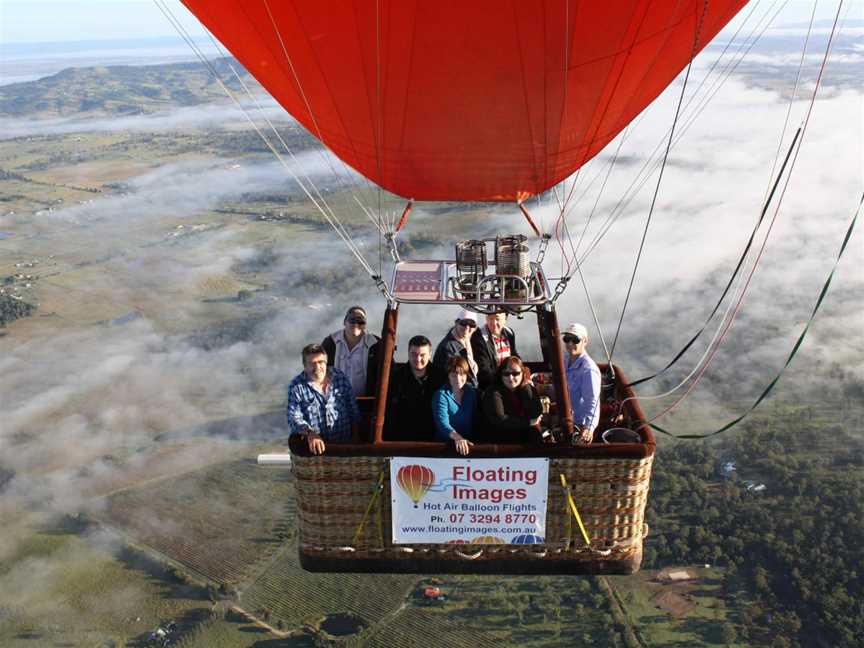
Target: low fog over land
176,270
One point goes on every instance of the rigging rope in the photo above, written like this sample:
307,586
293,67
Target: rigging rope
323,210
728,325
731,279
659,180
652,163
792,354
318,132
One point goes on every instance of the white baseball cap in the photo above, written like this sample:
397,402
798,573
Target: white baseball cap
576,329
465,314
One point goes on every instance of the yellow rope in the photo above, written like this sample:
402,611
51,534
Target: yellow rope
575,511
379,518
378,488
568,536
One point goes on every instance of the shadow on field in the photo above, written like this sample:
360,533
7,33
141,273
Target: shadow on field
171,580
67,524
707,631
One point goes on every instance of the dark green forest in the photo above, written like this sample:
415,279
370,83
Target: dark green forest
792,551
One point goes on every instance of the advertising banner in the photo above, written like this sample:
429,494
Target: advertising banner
469,501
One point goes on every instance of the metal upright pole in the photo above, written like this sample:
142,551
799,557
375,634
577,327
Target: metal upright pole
388,342
553,355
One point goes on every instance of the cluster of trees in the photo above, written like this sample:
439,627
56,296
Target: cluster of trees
11,309
793,551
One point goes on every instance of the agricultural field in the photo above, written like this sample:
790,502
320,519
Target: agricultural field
691,613
224,522
173,271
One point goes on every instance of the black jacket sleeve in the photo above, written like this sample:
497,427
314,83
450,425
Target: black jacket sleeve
330,349
486,362
372,367
499,415
486,358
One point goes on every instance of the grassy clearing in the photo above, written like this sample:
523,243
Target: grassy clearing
57,585
700,625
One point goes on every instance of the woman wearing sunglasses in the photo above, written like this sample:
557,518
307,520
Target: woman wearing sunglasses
512,405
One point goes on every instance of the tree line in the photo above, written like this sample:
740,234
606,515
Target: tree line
793,551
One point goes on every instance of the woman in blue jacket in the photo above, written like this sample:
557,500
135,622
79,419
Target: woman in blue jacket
454,407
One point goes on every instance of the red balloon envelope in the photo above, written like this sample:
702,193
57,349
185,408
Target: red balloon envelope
465,99
415,480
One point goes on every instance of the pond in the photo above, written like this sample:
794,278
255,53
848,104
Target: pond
342,624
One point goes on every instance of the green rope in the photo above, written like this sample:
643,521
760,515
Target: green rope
795,348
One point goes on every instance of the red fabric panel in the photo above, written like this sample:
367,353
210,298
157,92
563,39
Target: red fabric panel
462,99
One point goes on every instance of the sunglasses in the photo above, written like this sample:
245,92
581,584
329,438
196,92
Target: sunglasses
572,339
359,321
467,323
511,373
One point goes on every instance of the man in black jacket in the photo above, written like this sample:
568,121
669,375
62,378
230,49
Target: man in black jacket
409,398
355,352
458,342
492,344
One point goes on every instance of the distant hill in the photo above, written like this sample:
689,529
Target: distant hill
120,90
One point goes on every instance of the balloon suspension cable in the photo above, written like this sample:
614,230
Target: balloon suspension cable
732,279
728,325
770,190
653,161
318,133
320,203
657,187
564,210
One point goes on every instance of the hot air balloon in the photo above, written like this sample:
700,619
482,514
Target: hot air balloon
470,100
415,480
464,100
487,540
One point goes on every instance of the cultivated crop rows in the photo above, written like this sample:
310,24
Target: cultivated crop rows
223,521
296,597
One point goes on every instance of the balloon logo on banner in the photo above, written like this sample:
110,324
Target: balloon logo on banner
415,480
527,538
487,540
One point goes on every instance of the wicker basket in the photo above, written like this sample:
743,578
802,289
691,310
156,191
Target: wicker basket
334,494
344,512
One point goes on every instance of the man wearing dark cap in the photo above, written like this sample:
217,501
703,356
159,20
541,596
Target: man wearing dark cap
355,352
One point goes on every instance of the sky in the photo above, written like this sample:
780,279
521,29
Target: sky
74,20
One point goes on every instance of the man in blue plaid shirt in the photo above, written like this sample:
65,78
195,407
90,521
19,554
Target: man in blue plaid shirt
321,403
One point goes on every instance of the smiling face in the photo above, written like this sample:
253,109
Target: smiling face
355,325
418,358
495,323
464,328
315,366
574,345
511,375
